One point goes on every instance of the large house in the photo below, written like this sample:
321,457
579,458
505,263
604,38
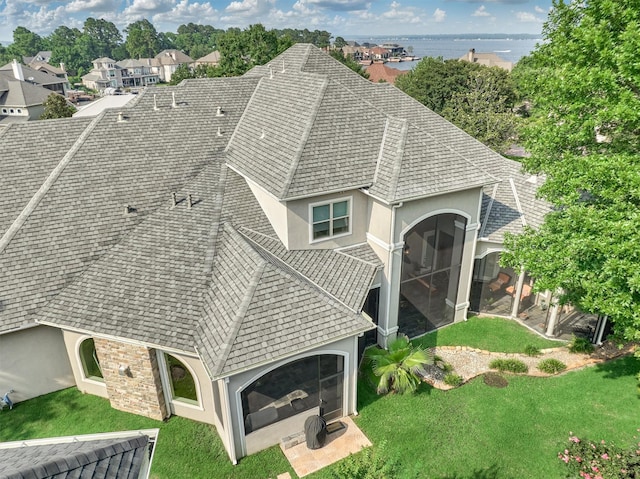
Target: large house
223,249
108,73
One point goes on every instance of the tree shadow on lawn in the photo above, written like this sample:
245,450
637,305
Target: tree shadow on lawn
26,418
617,368
492,472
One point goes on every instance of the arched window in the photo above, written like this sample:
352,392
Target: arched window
89,359
183,386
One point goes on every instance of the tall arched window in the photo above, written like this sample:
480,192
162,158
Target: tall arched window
183,386
89,359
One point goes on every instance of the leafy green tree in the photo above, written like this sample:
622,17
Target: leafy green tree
354,65
25,43
241,50
56,106
434,81
101,39
197,40
142,40
339,42
401,367
485,108
64,44
583,82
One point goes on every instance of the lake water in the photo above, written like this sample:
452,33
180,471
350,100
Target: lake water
510,48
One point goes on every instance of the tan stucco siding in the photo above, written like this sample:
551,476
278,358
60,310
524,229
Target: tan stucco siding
299,221
275,211
33,362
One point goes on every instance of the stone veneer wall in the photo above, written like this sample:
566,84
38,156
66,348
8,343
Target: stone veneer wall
138,392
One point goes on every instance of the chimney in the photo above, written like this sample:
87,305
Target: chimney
471,54
17,70
62,67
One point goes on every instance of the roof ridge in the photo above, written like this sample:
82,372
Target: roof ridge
242,308
282,264
399,155
244,114
305,135
485,221
218,202
343,251
46,186
516,197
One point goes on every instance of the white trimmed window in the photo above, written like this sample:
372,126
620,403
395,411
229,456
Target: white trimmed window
330,219
89,360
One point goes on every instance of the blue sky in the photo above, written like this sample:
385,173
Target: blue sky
340,17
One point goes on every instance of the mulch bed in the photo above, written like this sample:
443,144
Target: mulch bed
611,350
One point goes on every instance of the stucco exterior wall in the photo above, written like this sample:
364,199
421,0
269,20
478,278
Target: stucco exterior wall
275,210
33,362
299,220
236,384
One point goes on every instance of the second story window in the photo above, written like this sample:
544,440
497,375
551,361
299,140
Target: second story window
330,219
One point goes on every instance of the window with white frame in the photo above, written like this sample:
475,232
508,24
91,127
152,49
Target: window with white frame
330,219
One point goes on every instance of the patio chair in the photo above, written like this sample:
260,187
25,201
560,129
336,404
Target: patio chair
497,284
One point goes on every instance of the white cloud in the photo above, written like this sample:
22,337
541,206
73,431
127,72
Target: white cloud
481,12
540,10
147,7
439,15
91,6
527,17
342,5
250,7
187,12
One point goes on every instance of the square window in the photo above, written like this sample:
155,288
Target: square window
330,219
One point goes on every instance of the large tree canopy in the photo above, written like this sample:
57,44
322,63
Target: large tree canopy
474,97
584,86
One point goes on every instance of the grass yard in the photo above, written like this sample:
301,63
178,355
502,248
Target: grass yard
473,432
185,449
491,334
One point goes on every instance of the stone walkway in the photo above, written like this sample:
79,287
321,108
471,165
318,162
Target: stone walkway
470,362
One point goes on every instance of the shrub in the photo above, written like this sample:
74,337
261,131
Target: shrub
495,380
599,460
531,350
580,344
551,366
453,379
367,464
509,365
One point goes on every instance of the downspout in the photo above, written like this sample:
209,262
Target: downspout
229,429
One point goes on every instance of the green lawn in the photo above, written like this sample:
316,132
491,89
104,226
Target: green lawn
491,334
471,432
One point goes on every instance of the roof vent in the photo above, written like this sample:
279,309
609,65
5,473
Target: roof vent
283,70
173,103
121,117
128,209
174,199
219,111
262,135
189,201
270,71
219,132
155,103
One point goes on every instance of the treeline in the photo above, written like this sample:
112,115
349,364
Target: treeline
100,38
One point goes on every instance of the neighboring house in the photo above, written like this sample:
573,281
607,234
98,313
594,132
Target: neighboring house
17,71
234,272
355,53
394,49
42,56
379,72
486,59
212,59
21,101
167,62
379,53
116,455
107,73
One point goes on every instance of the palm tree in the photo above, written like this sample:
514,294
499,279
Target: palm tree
401,367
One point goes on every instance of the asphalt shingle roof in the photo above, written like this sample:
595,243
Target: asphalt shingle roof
100,246
88,459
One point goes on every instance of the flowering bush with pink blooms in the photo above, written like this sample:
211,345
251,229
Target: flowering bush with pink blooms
600,460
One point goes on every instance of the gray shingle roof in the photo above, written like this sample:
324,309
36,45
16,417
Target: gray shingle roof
214,278
119,458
